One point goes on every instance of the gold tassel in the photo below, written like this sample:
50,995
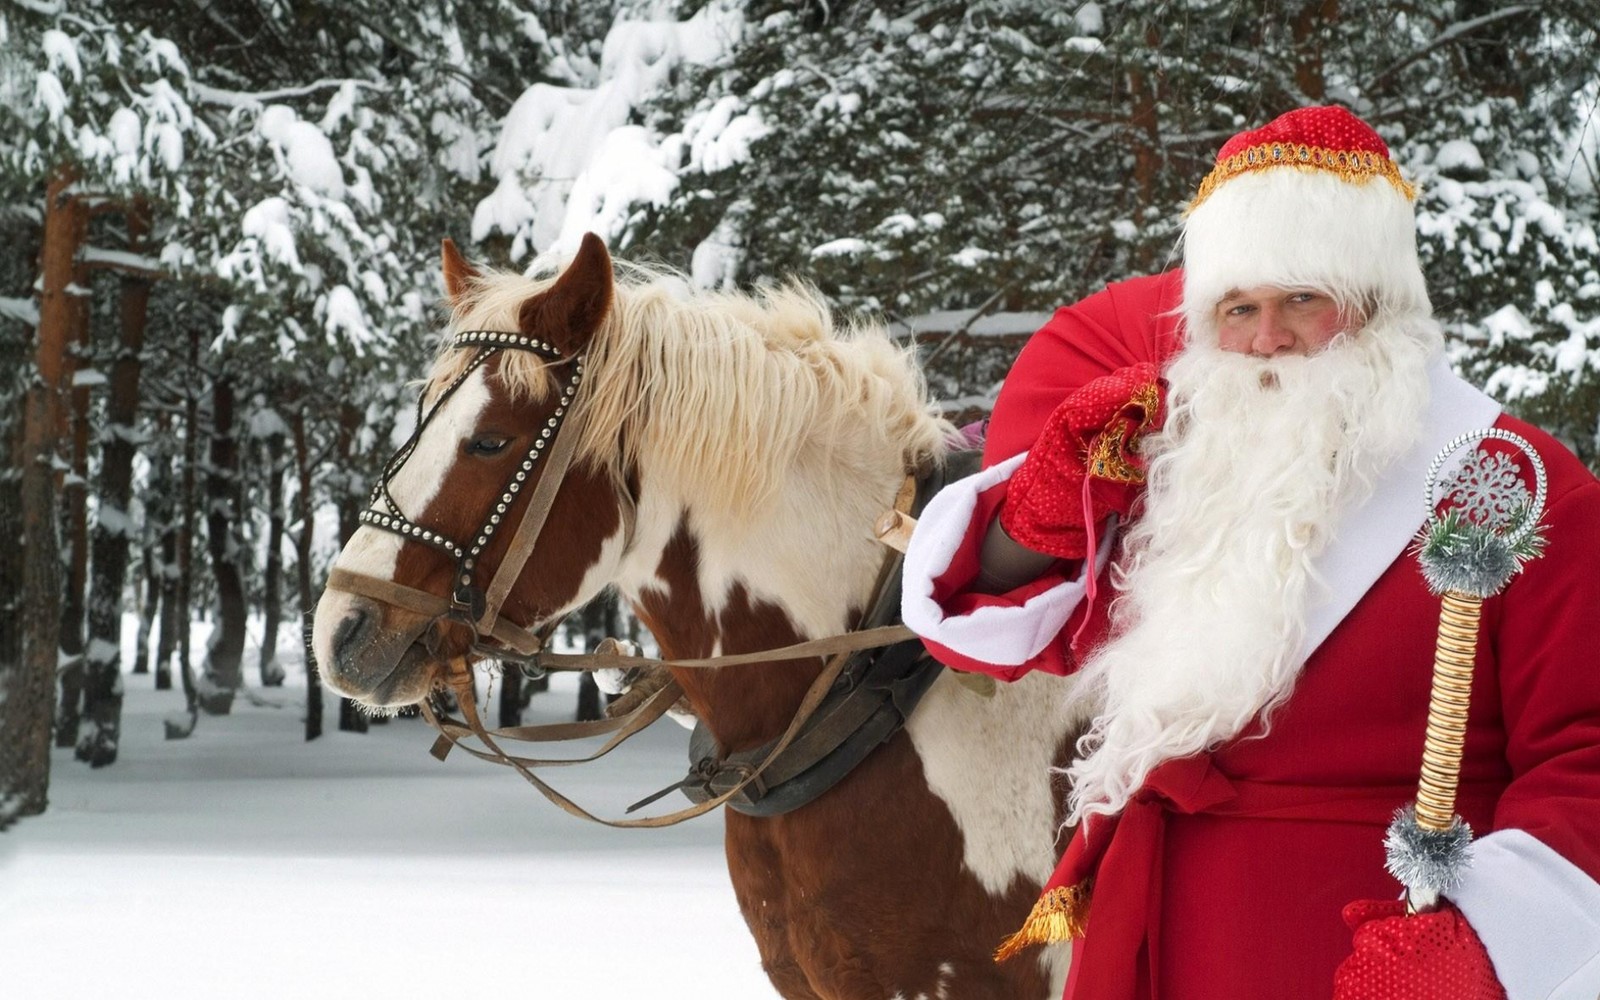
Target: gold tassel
1059,915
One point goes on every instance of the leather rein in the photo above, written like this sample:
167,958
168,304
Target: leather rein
478,608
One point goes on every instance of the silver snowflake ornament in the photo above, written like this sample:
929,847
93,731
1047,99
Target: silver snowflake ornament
1488,526
1488,491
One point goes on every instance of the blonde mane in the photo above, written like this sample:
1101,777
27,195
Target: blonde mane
724,392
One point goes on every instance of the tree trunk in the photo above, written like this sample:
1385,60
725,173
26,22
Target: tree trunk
113,529
179,615
302,555
172,606
162,516
74,492
11,601
511,697
272,574
149,605
1311,28
27,704
223,675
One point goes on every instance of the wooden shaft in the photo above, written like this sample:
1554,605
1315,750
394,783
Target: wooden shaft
1447,709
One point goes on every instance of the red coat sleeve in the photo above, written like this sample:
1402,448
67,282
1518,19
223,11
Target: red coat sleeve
1032,627
1544,648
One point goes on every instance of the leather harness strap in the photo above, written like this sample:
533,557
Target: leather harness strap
461,679
848,642
523,641
749,769
539,504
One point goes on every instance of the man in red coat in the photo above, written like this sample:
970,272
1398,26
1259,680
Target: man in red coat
1198,495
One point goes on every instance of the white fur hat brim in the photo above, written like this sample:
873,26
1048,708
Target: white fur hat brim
1302,228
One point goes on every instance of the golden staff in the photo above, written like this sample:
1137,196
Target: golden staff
1468,554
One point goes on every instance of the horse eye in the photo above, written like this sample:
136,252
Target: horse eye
488,444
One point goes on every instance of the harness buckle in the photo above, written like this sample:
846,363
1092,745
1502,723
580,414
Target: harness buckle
468,602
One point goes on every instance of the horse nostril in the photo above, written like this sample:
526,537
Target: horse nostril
349,632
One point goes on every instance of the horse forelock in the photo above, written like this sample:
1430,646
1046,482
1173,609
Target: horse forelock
721,392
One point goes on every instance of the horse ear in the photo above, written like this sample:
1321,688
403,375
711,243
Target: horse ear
458,274
569,312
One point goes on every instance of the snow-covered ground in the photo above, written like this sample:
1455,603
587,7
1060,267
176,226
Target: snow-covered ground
243,862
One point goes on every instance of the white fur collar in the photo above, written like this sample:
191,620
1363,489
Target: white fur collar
1370,537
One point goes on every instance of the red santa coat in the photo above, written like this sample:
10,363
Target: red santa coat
1226,876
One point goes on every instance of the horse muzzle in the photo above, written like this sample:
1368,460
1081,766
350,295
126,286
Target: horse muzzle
380,656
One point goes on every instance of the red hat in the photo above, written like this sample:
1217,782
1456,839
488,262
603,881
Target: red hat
1309,200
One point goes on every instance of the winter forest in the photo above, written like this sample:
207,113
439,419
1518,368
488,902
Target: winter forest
225,221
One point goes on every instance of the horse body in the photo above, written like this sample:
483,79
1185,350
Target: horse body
731,467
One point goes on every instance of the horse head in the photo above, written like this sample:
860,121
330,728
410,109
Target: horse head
438,560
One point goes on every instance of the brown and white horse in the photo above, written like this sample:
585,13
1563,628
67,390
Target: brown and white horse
757,446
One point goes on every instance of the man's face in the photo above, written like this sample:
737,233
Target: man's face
1268,321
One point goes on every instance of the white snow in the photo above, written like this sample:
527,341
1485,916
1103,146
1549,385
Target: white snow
304,150
268,222
50,95
715,261
122,259
116,521
628,169
1458,154
61,52
246,863
21,310
124,131
571,160
1508,323
266,422
841,247
344,316
721,136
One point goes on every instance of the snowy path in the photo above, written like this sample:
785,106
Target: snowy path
245,863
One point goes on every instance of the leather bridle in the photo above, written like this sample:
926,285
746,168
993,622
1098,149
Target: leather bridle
471,604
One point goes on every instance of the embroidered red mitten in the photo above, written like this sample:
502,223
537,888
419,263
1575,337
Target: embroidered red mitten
1085,464
1429,956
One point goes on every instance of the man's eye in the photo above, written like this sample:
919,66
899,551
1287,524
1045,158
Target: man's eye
488,444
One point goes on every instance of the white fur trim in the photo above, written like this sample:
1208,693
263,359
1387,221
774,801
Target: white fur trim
1293,228
1538,916
1369,539
1003,636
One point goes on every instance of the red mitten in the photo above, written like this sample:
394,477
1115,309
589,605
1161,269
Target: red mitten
1429,956
1085,464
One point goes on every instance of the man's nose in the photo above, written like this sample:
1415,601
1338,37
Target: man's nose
1272,335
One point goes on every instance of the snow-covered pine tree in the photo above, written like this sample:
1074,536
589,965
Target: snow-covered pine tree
930,155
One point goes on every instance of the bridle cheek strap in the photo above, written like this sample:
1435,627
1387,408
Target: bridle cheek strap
533,518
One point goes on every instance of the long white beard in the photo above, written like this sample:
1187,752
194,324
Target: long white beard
1258,460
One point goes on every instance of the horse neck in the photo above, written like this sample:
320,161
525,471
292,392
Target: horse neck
802,567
